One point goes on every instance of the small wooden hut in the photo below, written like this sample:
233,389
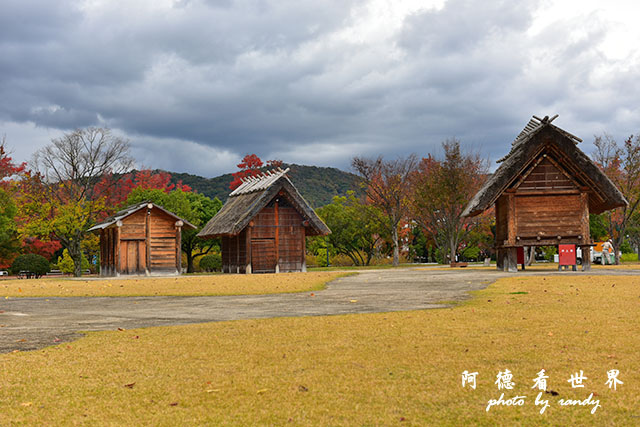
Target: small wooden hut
263,226
141,239
543,192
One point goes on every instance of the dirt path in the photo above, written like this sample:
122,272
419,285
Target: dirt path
33,323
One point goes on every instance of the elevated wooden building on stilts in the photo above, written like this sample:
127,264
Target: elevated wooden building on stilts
141,239
543,192
263,226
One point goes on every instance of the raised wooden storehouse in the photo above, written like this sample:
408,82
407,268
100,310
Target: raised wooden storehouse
543,193
141,239
263,226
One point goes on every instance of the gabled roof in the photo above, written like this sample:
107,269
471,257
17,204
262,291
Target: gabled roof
529,144
246,201
129,210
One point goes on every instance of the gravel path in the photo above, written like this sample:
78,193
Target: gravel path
33,323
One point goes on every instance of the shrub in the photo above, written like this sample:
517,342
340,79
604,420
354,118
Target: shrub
629,257
211,262
33,263
65,263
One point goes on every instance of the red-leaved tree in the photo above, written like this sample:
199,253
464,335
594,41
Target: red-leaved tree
249,166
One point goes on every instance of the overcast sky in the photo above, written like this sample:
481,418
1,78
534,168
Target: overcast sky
197,84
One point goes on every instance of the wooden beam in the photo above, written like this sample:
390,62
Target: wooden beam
147,242
511,219
179,225
584,217
304,251
117,246
248,269
277,224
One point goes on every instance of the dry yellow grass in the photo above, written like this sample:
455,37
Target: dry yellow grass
220,284
377,369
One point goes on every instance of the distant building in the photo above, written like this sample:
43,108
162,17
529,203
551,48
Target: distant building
263,226
543,193
141,239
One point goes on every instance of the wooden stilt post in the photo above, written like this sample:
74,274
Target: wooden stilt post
511,260
586,258
248,248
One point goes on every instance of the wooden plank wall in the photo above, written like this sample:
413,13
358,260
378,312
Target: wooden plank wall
291,240
162,241
551,216
234,253
547,177
276,238
263,241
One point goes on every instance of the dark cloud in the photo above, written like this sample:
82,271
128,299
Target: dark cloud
197,84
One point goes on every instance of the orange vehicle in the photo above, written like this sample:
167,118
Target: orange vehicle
596,254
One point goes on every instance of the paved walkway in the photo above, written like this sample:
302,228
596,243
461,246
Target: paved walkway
33,323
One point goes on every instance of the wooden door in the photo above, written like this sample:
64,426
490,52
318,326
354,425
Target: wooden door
263,255
132,256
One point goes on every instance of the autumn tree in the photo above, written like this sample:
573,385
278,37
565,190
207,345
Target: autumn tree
116,189
387,186
442,190
621,163
249,166
61,197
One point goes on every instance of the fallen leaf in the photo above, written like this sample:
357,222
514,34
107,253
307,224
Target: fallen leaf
302,388
130,385
173,404
550,334
353,300
212,390
262,390
26,404
121,329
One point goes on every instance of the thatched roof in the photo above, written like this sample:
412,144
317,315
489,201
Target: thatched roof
129,210
540,135
246,201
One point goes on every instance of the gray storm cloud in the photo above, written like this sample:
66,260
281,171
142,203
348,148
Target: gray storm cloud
197,84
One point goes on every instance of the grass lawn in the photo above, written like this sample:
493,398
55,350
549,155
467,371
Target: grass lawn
219,284
373,369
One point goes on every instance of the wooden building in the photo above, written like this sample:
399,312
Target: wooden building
543,192
141,239
263,226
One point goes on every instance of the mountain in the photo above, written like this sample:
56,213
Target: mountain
317,185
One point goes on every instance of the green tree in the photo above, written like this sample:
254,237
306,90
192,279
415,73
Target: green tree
356,227
196,208
9,244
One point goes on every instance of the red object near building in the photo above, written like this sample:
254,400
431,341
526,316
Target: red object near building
520,255
567,256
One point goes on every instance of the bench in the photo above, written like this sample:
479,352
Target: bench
458,264
55,273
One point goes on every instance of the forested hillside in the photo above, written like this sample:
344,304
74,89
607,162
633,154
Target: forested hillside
317,185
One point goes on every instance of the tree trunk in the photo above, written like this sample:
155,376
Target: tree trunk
189,255
75,251
452,249
396,246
